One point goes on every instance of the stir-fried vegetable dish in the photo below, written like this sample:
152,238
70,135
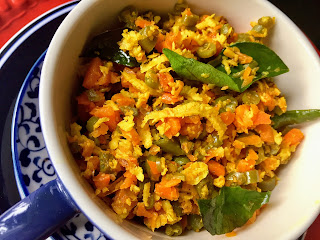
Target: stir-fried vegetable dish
179,123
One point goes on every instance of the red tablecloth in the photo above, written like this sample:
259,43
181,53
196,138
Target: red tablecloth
15,14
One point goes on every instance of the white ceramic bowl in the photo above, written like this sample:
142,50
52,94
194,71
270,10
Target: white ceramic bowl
295,201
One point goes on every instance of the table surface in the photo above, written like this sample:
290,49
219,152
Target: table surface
15,14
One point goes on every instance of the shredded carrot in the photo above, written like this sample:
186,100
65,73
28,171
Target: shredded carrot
94,76
216,168
142,23
247,79
172,126
170,182
293,137
170,193
248,163
102,180
114,116
227,117
132,136
253,140
244,59
142,211
101,130
153,167
83,100
266,133
122,100
129,180
231,234
262,118
160,42
165,80
168,98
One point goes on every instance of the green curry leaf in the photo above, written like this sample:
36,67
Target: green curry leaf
105,46
231,209
269,63
192,69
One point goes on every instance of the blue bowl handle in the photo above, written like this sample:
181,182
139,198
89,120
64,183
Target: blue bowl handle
38,215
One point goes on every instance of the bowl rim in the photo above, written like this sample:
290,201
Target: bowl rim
110,228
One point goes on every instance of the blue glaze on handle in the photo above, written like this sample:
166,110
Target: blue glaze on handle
38,215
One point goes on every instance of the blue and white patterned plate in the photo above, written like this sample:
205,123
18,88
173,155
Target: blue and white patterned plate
32,166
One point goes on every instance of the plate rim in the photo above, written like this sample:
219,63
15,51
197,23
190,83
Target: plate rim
22,188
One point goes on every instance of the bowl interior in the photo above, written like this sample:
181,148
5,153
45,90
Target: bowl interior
295,201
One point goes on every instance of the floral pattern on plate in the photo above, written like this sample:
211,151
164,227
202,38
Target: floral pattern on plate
31,159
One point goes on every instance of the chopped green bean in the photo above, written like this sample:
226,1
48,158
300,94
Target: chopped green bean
104,158
267,22
227,103
258,28
174,229
244,178
179,7
207,50
295,117
244,37
195,222
190,20
268,184
170,146
91,122
182,160
93,95
250,97
177,208
225,29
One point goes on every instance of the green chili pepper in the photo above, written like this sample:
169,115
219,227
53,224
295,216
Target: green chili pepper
195,222
170,146
295,117
268,184
174,229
